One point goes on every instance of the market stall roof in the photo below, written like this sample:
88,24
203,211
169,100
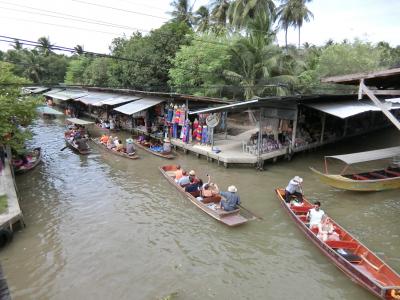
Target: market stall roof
53,91
389,78
48,110
79,121
35,89
95,98
345,109
139,105
119,99
68,94
354,158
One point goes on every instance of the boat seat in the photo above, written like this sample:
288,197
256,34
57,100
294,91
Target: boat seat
377,175
342,244
300,209
214,199
351,257
303,218
195,194
360,177
314,229
392,172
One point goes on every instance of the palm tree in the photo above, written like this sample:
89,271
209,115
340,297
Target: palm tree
300,13
182,12
285,16
78,49
219,11
44,47
17,45
33,67
241,11
202,19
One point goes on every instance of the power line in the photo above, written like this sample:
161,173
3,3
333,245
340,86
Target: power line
120,9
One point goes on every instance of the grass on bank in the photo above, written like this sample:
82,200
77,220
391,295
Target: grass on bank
3,203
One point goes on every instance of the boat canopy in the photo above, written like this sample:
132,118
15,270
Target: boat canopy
359,157
48,110
79,121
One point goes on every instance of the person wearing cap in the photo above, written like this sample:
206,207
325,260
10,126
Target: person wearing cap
294,188
130,148
192,177
232,199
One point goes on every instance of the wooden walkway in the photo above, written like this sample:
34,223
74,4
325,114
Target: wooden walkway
7,187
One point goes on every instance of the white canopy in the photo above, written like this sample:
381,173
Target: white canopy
354,158
119,99
79,121
139,105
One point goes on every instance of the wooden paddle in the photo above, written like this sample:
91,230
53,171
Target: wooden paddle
62,149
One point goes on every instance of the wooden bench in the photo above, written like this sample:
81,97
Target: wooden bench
214,199
397,174
360,177
342,244
300,209
377,175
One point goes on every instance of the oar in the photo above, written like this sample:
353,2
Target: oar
250,212
62,149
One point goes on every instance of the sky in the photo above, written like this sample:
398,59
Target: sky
69,23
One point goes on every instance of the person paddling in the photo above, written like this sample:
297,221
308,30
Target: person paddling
232,199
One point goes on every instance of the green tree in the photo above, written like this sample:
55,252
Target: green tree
45,47
78,49
197,68
76,69
202,19
15,110
300,14
97,73
285,17
182,12
242,11
219,11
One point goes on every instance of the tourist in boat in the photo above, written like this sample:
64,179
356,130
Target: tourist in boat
315,214
120,146
232,199
326,230
209,190
104,139
192,177
184,180
178,173
194,186
81,143
294,188
130,148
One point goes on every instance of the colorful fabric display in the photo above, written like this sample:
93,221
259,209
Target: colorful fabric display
199,133
195,126
175,130
177,117
170,115
182,116
204,135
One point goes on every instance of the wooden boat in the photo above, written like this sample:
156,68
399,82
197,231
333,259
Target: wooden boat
74,147
374,180
122,154
348,254
167,155
209,205
34,158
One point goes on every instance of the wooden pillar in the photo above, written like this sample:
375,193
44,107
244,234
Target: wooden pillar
291,146
323,127
346,123
259,142
187,109
226,125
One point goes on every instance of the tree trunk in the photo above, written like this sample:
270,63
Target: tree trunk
286,29
299,37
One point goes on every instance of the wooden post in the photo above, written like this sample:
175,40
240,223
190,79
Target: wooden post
291,146
323,127
187,109
378,103
259,142
226,125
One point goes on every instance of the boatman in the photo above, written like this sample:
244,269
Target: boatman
232,199
294,188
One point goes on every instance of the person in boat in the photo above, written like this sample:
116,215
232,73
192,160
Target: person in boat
130,148
294,188
314,215
326,230
112,124
184,180
104,139
194,186
81,143
178,173
120,146
192,177
232,199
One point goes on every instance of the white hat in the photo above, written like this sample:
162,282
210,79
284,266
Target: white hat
298,179
192,172
232,189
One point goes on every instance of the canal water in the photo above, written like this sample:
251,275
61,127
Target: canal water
102,227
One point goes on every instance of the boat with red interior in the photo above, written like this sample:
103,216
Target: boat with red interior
115,152
209,205
347,253
147,146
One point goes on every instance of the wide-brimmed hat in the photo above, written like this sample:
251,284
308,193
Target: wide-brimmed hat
232,189
298,179
129,141
192,173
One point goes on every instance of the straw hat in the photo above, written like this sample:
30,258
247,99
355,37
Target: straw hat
232,189
192,173
298,179
129,141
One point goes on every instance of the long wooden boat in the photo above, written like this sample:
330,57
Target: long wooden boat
33,161
348,254
374,180
74,147
209,205
122,154
167,155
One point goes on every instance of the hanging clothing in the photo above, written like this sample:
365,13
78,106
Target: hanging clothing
199,133
195,126
177,115
175,130
182,117
170,115
204,135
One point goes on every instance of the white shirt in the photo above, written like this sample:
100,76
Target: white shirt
315,216
293,186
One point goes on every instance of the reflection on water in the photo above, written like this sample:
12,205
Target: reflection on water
101,227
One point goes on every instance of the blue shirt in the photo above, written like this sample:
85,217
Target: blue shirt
232,200
184,180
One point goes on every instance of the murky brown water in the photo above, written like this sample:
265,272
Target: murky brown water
101,227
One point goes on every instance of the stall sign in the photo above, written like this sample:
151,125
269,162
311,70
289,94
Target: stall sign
212,120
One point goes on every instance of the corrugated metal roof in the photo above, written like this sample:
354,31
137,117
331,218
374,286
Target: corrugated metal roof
79,121
354,158
119,99
69,94
347,109
52,91
139,105
48,110
95,98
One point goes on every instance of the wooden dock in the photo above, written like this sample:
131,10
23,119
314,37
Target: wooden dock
8,187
